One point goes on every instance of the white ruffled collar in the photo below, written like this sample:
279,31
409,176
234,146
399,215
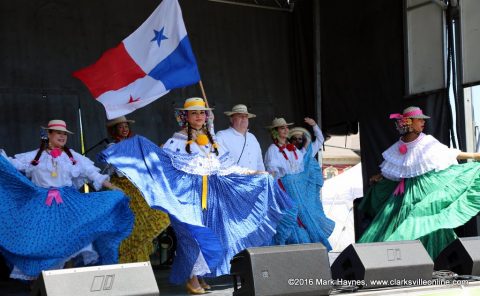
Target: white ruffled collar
415,158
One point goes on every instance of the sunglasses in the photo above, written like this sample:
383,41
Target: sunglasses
298,139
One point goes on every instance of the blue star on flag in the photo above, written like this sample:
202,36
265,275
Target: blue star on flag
159,36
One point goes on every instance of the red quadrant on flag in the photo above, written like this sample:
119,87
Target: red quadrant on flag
115,69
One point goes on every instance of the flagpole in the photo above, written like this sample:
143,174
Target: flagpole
82,140
203,92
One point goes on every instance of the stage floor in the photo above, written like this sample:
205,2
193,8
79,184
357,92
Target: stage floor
223,286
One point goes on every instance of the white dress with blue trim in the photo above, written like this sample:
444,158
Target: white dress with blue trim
301,176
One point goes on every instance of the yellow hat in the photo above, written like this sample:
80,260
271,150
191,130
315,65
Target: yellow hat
194,104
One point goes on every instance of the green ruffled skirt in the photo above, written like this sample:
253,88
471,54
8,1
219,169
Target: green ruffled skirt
432,205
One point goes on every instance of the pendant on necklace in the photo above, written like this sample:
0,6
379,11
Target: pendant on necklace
54,174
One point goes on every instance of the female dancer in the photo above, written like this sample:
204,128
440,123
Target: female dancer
46,221
422,192
149,223
301,177
216,209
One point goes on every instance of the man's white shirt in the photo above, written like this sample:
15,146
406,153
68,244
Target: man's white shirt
236,142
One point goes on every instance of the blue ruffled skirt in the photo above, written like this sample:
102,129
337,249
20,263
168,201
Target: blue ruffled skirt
242,211
306,223
35,236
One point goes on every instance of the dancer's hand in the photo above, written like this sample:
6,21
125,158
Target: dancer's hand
375,178
110,186
251,172
310,121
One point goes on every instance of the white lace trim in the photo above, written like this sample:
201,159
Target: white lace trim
88,253
423,155
201,161
200,267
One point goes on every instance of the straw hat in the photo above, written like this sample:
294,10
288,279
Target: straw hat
410,112
57,125
299,131
239,109
278,122
118,120
194,104
414,112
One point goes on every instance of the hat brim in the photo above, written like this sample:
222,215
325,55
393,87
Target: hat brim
230,113
420,116
194,108
274,126
57,129
110,124
299,130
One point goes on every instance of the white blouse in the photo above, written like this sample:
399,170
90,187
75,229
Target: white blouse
60,171
276,163
420,156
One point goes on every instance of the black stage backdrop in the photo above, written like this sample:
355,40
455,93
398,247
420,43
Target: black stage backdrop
363,81
259,57
363,76
262,58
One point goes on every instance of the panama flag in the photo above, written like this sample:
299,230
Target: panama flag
154,59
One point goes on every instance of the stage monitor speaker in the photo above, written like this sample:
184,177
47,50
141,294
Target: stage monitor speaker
282,270
374,265
112,280
462,256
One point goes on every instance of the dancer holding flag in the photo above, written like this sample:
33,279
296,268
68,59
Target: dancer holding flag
216,208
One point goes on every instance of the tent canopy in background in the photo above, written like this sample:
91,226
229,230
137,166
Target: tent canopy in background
338,194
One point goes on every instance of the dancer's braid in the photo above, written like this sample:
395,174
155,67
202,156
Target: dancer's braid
210,138
189,135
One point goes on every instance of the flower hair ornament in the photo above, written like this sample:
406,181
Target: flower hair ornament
274,134
403,125
404,122
181,117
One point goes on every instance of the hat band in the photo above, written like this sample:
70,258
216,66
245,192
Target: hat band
57,124
194,103
406,115
239,111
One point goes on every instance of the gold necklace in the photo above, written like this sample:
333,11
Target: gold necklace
54,172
